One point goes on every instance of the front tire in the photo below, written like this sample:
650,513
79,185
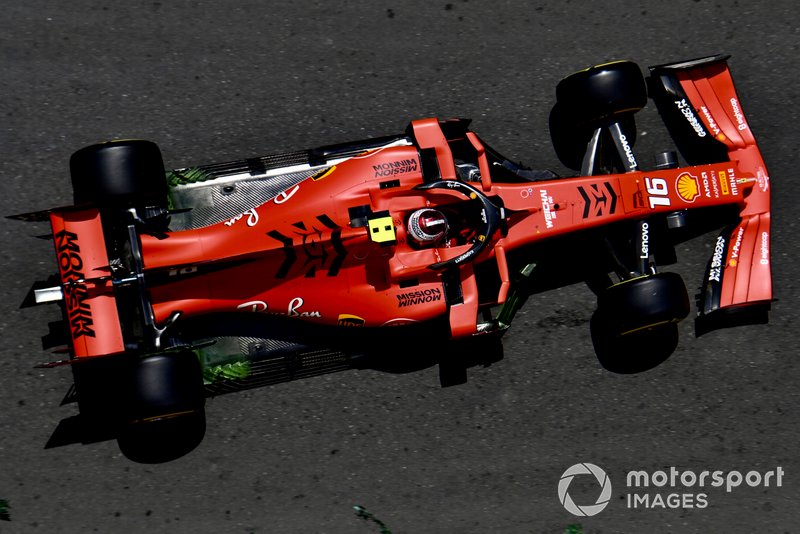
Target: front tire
635,326
600,95
643,303
594,98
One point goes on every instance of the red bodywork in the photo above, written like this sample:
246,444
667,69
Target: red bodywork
90,308
747,273
300,254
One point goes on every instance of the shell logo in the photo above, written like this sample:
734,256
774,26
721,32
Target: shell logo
688,187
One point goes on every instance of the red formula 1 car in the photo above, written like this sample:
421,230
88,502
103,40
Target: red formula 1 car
244,273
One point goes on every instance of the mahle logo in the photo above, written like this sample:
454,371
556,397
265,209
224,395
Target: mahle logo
590,509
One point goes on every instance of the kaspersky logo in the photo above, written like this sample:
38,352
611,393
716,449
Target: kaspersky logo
688,187
584,510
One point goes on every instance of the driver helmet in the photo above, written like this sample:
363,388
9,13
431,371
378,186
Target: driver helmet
427,225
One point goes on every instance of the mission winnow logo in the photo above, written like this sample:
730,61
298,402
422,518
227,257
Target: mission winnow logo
668,488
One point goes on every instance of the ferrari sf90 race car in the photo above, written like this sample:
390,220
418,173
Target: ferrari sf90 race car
384,253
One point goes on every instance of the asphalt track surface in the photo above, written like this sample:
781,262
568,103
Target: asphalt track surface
218,81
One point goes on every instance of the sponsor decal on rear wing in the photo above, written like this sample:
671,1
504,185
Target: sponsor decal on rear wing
90,308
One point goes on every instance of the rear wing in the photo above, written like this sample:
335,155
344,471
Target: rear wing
90,307
698,102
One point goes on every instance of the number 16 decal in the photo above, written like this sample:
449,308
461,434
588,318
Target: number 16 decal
658,191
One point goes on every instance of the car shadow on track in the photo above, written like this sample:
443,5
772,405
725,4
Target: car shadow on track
454,358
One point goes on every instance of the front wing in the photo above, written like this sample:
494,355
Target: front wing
698,102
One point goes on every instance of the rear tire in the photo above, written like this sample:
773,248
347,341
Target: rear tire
119,174
164,408
162,440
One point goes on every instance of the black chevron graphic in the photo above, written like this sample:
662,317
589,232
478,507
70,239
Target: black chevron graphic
314,251
599,200
288,250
